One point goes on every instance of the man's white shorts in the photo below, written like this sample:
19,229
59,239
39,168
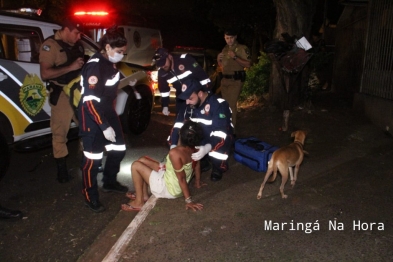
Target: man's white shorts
157,185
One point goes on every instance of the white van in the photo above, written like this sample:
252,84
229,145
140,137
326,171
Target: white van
142,43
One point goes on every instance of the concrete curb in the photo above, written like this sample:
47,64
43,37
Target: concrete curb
121,244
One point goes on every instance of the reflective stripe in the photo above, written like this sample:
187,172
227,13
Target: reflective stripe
9,100
219,134
218,155
89,98
169,138
220,100
93,156
82,87
115,147
93,60
183,56
181,76
113,81
204,82
165,94
178,125
28,119
201,120
11,75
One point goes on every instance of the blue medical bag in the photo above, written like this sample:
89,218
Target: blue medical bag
253,153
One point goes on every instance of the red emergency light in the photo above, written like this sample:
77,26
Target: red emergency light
95,13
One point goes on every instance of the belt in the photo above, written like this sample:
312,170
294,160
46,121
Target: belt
228,76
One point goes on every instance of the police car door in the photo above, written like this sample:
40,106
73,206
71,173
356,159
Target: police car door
22,92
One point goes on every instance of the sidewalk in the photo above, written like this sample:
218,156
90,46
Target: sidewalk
344,186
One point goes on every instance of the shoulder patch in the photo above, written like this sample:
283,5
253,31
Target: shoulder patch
195,64
93,80
221,115
46,47
247,51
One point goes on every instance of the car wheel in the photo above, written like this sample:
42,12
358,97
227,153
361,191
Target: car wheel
4,156
137,113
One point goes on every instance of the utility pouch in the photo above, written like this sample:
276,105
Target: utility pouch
55,93
236,75
239,75
242,76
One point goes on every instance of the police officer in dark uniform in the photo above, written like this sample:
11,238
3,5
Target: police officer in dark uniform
233,59
214,116
100,126
174,69
61,60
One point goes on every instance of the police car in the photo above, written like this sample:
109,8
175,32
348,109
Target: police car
24,109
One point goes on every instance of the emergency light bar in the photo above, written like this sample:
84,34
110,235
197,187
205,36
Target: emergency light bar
26,11
99,13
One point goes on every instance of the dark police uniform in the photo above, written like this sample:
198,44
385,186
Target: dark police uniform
96,112
184,66
214,116
233,76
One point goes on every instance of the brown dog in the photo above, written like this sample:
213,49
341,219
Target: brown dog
284,159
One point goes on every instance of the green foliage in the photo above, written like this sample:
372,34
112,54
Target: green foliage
257,80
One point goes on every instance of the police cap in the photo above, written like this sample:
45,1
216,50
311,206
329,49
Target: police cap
190,86
72,23
160,56
230,31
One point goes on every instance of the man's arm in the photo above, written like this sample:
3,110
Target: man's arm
242,59
220,122
48,71
174,135
197,71
164,89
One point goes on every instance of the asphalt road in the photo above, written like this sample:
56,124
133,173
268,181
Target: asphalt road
56,225
339,209
346,177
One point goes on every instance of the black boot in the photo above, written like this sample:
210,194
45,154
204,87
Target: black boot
6,213
62,171
205,164
216,175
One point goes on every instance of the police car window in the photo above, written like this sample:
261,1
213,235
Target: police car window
200,60
19,44
90,47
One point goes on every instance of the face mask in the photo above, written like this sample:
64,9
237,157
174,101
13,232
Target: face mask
116,58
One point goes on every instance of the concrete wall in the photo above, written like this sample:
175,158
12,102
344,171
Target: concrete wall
378,110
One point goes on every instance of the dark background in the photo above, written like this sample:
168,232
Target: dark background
197,23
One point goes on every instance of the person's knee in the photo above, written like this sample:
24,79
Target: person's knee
143,159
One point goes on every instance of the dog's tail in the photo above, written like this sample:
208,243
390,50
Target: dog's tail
273,177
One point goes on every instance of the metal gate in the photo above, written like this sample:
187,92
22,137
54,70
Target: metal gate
377,79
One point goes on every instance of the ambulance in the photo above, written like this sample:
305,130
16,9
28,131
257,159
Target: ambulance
24,109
